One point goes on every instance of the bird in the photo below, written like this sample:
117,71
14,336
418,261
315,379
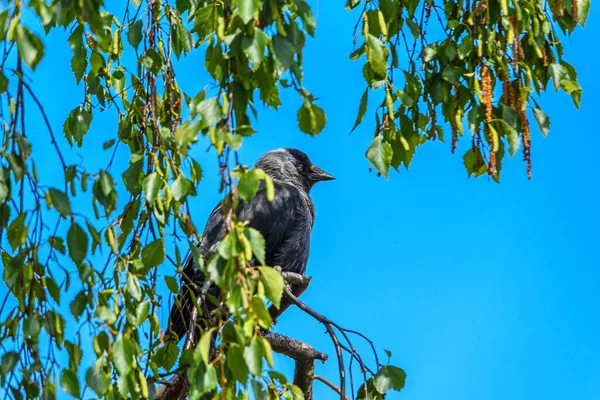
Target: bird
285,223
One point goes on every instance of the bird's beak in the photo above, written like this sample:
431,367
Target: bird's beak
317,175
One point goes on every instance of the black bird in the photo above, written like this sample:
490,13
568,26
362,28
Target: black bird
285,223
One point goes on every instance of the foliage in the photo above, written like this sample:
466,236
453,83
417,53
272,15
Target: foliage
252,50
482,66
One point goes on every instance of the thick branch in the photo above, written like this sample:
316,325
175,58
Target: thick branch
298,283
293,348
304,377
175,389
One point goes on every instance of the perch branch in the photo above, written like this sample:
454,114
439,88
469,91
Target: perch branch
298,284
293,348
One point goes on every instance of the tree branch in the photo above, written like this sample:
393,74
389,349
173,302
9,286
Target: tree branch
293,348
298,283
304,377
331,385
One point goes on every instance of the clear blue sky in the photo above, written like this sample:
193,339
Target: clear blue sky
481,291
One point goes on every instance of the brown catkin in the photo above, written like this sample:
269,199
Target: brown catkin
486,89
506,92
453,124
558,9
486,86
526,134
544,57
433,122
575,10
515,45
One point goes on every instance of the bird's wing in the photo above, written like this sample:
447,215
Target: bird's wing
272,219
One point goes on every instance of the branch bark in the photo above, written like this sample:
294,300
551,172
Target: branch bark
293,348
298,285
304,355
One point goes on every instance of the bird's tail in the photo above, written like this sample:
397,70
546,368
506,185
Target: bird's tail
181,316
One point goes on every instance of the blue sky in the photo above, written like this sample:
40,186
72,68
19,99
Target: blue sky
479,290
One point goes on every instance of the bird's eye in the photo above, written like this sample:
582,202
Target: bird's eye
300,167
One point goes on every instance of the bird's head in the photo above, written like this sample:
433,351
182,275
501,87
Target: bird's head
293,167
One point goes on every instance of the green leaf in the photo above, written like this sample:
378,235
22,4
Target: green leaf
78,305
362,109
31,48
380,155
152,61
74,355
153,254
248,185
572,87
166,356
273,282
247,8
9,361
253,356
78,66
569,85
31,328
3,83
77,242
452,74
97,62
267,350
57,244
284,50
474,162
311,118
60,201
377,55
117,80
17,232
543,120
69,382
141,312
257,242
210,111
389,377
133,288
263,317
108,144
132,177
181,188
105,314
465,48
152,184
204,345
558,73
254,46
514,141
123,355
97,379
350,4
134,35
53,289
237,364
203,379
78,123
198,260
414,28
172,284
583,8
